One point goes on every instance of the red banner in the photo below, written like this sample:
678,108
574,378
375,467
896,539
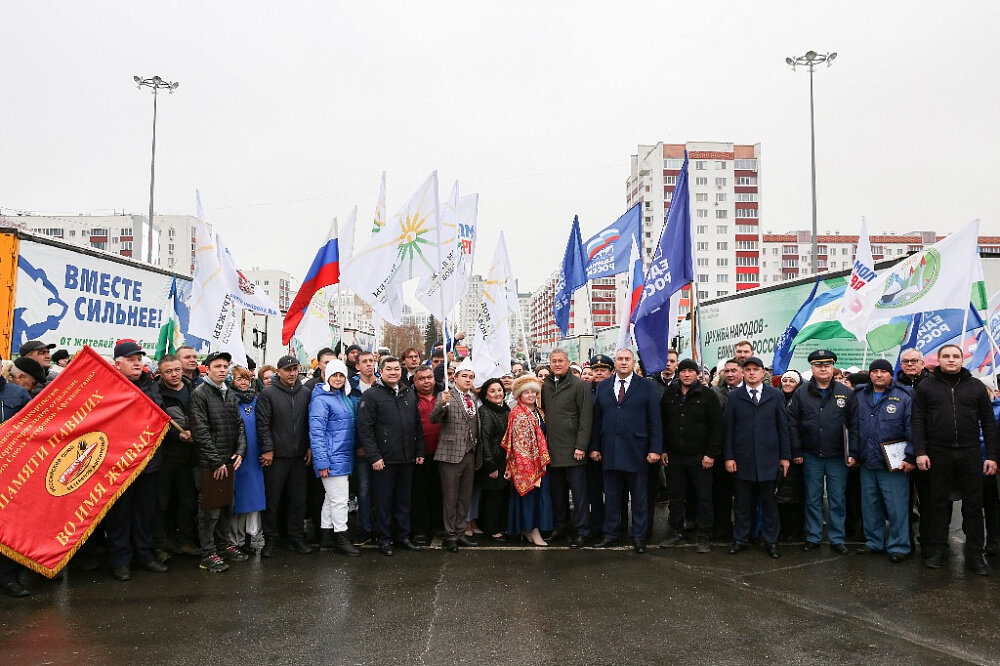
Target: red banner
66,458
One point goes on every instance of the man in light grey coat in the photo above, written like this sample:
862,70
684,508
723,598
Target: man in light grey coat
569,409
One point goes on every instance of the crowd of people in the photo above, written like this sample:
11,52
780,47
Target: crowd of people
275,459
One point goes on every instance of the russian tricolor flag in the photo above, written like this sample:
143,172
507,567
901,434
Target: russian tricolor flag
324,271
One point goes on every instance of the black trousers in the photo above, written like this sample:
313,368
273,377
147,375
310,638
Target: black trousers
563,481
616,484
748,493
722,499
426,501
991,509
685,473
286,478
920,499
177,506
962,470
654,484
493,509
9,569
129,522
392,488
595,495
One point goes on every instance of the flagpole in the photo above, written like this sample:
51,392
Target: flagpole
338,330
864,357
444,315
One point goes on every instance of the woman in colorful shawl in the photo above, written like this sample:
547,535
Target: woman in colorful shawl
530,507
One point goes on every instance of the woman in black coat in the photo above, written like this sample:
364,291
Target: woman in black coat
493,487
790,494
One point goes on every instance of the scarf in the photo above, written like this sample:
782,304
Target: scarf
527,450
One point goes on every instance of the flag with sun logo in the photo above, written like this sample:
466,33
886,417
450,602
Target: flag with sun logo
404,249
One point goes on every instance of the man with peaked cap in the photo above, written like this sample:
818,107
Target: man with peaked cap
602,367
817,416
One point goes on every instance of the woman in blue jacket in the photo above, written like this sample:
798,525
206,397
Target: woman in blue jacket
332,429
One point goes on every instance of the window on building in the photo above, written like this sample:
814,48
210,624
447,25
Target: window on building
127,245
774,250
746,229
722,277
721,214
720,182
720,197
702,277
170,232
720,164
703,262
701,196
701,212
747,165
821,249
721,229
914,248
100,245
668,196
746,245
99,232
789,249
670,180
746,277
170,248
701,180
646,205
703,295
747,261
649,234
789,263
673,164
722,245
125,232
72,232
700,165
746,212
170,263
721,261
877,249
703,247
702,229
746,196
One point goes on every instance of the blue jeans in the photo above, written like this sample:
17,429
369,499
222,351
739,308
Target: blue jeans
363,473
834,470
891,490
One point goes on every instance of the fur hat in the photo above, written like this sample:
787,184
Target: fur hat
525,382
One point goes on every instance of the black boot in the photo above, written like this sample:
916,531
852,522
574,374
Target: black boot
344,544
325,539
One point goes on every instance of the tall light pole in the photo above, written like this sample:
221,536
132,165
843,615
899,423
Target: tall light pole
810,60
157,84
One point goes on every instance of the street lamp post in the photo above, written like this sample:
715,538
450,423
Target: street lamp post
810,60
156,84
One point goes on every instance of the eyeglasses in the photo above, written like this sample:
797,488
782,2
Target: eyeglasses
910,360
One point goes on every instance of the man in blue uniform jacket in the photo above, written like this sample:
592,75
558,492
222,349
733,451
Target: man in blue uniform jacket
756,450
626,436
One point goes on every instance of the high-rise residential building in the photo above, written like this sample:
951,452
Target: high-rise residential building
788,256
724,188
278,284
468,307
125,235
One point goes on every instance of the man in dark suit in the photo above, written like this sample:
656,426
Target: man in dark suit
756,446
458,455
627,435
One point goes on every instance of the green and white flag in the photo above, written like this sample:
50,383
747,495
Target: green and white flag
944,275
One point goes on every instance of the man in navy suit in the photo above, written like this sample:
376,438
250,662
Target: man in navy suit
627,435
756,447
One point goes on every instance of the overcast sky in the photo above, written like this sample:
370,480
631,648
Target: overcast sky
288,111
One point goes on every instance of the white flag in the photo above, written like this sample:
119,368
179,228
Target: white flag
313,331
208,288
624,322
245,293
938,277
379,222
852,314
491,336
397,253
468,217
440,291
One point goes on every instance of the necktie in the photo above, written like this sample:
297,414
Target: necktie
753,394
621,391
469,407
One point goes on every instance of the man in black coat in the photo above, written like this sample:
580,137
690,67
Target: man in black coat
756,450
221,442
950,410
130,521
177,490
390,431
911,373
692,441
282,416
626,437
722,481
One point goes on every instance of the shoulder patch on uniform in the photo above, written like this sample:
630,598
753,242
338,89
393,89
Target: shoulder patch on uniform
890,409
841,401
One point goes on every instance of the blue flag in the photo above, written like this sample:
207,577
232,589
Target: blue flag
929,331
607,251
671,268
783,348
571,278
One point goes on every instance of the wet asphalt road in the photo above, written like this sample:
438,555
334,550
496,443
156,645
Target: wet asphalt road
516,606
